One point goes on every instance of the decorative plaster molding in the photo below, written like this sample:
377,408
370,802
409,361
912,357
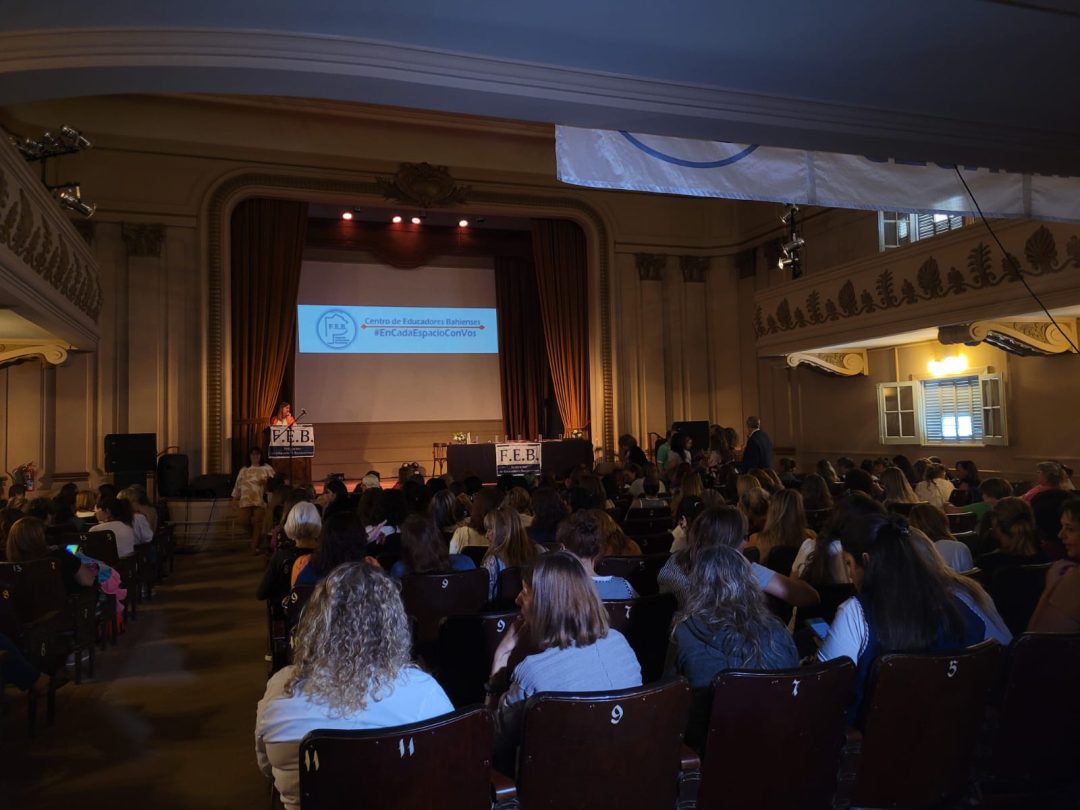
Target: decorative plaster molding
848,363
118,59
35,229
650,266
233,189
424,186
53,353
1024,338
694,268
143,240
85,227
925,283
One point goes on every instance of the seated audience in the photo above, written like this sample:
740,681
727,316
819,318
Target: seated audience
423,551
343,540
548,510
518,499
1058,610
726,525
1051,475
572,649
1047,506
630,452
991,491
351,670
745,482
637,488
815,493
827,472
508,546
964,588
689,509
896,486
886,570
1015,540
85,501
967,480
934,523
303,526
582,534
615,542
754,504
935,489
474,533
788,472
650,496
140,523
114,515
26,541
724,625
904,464
859,480
446,512
690,486
823,562
785,528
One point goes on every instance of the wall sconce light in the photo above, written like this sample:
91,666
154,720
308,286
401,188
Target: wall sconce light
953,364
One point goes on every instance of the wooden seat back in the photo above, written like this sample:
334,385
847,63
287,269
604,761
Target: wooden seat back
430,598
640,571
1015,590
646,623
618,749
443,763
1039,718
923,716
758,719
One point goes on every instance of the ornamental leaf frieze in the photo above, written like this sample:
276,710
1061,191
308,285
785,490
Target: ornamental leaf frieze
44,249
927,283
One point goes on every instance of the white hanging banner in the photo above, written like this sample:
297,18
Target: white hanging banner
623,160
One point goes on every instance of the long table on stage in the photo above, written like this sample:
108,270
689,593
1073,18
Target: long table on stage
556,457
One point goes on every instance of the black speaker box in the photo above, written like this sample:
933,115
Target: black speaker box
172,475
698,431
126,452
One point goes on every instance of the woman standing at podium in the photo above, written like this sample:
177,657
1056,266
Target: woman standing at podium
250,491
283,417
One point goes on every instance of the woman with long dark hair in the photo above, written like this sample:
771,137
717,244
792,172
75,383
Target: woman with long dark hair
343,540
901,603
423,551
724,625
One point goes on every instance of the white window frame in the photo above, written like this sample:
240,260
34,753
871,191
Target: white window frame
919,401
951,223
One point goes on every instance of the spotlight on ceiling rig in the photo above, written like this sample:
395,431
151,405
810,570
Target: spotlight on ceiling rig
67,141
70,196
791,248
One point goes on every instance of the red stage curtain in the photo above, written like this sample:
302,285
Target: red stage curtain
559,252
523,363
267,250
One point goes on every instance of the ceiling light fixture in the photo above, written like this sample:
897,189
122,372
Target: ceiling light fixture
463,223
396,219
416,220
346,215
953,364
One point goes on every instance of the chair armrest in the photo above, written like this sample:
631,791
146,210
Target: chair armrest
689,759
502,786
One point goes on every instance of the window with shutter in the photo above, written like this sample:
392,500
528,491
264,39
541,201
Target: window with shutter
898,418
896,228
963,410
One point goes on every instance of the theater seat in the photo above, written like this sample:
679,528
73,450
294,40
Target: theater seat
924,713
646,623
640,572
620,749
793,719
430,598
466,648
1038,728
1016,591
442,763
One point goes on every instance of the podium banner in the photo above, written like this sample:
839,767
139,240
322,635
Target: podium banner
295,441
517,458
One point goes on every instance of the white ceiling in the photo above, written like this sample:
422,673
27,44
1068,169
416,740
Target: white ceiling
986,82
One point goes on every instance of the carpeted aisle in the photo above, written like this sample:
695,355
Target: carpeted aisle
167,722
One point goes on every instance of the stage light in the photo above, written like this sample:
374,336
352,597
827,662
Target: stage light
346,215
794,243
463,223
70,196
790,214
415,220
66,142
396,219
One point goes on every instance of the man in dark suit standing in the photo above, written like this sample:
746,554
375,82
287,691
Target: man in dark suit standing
757,455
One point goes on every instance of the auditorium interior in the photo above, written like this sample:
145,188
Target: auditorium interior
222,168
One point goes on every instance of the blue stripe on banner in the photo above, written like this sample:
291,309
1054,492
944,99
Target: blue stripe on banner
690,164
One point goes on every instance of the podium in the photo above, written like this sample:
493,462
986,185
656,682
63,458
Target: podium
290,450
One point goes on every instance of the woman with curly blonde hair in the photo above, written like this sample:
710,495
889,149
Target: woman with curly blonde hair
351,670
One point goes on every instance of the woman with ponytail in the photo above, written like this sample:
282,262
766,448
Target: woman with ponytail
902,605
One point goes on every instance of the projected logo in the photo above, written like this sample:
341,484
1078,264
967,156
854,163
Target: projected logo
336,329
